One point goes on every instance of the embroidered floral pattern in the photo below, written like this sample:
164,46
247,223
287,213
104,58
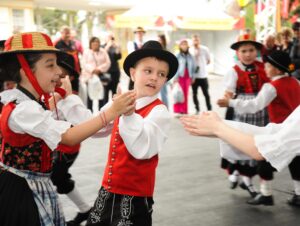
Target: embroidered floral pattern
95,215
23,158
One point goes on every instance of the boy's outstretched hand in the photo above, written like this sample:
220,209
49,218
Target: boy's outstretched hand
205,124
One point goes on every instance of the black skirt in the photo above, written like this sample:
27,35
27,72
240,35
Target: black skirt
17,205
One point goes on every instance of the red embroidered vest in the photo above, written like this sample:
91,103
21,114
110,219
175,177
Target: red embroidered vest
22,151
287,99
123,173
250,82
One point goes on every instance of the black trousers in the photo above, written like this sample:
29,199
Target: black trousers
113,210
294,168
203,83
265,170
60,176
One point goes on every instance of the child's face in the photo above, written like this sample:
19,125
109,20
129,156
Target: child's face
271,71
47,72
149,75
247,53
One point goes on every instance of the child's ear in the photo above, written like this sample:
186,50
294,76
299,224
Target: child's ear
132,73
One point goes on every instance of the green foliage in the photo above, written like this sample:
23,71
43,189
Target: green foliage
50,21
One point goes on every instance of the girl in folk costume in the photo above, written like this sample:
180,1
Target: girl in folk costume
185,75
125,197
244,81
30,130
282,97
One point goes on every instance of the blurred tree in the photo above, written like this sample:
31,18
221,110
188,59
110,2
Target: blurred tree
51,20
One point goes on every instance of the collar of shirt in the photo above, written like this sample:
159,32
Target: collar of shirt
13,95
278,77
143,101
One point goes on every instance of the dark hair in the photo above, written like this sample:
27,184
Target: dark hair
93,39
11,70
163,40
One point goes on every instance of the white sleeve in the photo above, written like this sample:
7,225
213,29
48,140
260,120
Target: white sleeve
29,117
73,110
229,152
230,80
262,100
279,148
144,137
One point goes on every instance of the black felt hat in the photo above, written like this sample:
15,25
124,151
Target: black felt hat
67,62
152,49
280,60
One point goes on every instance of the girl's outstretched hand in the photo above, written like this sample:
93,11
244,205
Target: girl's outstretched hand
205,124
124,103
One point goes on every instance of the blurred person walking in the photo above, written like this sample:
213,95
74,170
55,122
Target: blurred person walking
164,90
136,44
95,62
115,54
202,59
184,75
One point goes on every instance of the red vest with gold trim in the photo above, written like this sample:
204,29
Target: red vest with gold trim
250,82
287,99
123,173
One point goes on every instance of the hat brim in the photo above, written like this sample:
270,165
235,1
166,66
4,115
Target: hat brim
139,54
236,45
69,68
270,60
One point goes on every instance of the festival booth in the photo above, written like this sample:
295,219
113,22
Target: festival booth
178,20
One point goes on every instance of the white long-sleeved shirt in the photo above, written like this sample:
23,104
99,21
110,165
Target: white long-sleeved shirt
144,137
29,117
277,143
265,96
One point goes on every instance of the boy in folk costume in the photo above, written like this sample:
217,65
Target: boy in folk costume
282,97
244,81
125,197
31,131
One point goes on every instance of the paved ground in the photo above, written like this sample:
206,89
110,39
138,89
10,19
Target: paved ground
191,189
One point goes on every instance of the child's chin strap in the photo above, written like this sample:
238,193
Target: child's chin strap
32,79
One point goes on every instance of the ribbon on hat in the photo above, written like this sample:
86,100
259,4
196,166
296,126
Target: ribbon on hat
32,79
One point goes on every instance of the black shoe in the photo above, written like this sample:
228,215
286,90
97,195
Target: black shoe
80,217
262,200
249,188
233,185
294,201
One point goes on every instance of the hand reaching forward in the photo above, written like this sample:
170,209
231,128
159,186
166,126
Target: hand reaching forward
205,124
124,103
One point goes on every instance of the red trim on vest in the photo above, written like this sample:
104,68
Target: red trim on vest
27,41
48,40
286,101
123,173
244,82
20,140
7,44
